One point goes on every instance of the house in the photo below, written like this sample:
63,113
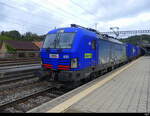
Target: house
15,48
38,44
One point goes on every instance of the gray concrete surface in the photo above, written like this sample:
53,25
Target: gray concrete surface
128,92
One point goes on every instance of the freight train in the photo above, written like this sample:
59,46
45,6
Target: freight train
77,53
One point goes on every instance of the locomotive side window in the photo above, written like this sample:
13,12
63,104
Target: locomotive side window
104,52
94,44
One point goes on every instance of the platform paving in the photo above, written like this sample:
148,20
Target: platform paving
129,91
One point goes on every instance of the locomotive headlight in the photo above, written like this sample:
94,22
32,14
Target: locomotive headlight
74,63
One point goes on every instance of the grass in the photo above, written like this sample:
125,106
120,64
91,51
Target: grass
5,38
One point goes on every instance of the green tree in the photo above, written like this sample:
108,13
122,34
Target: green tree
10,49
15,35
32,37
137,40
3,37
12,34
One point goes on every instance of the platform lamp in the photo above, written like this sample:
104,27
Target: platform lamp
116,32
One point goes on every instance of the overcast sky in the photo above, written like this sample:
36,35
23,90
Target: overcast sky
40,16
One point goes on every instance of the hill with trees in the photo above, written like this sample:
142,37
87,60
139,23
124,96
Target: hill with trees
15,35
138,39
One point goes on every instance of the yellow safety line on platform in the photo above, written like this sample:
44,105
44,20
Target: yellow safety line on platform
66,104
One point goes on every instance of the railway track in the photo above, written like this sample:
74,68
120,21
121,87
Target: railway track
26,92
27,97
6,68
15,74
19,62
20,90
15,77
17,59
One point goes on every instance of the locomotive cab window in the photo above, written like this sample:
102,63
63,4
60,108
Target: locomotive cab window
94,44
60,40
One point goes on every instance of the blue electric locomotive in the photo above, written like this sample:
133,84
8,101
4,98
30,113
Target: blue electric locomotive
75,53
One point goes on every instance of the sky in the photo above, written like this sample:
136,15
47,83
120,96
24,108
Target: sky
41,16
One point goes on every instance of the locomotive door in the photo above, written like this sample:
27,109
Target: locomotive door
90,53
94,53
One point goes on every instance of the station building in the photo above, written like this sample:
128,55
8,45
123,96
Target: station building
38,44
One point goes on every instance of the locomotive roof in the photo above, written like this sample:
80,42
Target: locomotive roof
89,32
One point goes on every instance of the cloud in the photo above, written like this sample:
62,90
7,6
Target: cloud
3,11
114,9
40,16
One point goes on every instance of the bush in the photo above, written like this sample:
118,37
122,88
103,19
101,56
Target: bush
10,49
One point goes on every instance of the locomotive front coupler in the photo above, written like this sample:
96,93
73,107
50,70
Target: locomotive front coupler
46,75
53,75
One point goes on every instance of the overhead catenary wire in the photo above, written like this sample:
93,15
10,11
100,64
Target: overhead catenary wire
85,10
20,20
19,24
72,16
64,12
27,22
78,5
17,8
17,19
88,11
30,13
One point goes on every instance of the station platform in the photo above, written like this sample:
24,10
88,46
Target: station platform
127,89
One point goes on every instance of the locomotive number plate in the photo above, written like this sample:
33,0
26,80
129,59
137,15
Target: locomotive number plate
54,55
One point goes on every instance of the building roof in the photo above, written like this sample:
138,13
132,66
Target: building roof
38,44
22,45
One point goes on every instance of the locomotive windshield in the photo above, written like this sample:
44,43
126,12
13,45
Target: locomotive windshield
59,40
